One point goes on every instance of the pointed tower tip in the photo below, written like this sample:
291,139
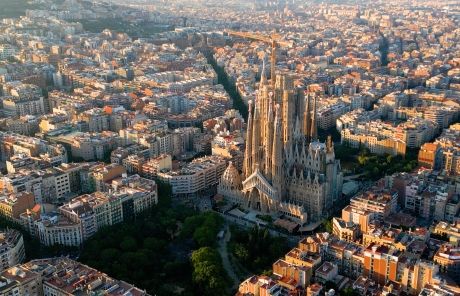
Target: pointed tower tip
277,109
263,76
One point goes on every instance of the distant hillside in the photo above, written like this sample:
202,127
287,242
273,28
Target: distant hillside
13,8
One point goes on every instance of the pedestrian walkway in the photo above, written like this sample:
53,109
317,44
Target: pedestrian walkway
225,258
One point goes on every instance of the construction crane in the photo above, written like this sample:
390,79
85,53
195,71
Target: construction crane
274,40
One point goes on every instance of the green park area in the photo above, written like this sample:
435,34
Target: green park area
167,251
372,166
255,250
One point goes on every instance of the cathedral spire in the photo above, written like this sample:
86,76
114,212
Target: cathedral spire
263,76
256,137
277,153
314,129
297,128
247,168
268,141
262,100
306,118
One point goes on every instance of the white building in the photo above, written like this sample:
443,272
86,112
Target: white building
200,174
84,215
58,230
6,51
15,106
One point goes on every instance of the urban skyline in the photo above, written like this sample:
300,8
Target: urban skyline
263,147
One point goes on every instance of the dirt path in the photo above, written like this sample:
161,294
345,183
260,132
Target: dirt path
225,258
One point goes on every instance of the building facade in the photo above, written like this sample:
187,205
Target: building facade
12,250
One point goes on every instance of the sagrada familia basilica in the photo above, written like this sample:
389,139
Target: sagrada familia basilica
286,170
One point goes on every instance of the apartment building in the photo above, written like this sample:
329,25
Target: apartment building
430,156
151,168
12,250
101,175
18,280
200,174
329,111
379,201
61,276
55,229
14,204
25,125
11,144
50,185
15,106
96,120
452,231
79,219
94,146
381,263
6,51
448,259
22,99
377,143
259,285
347,231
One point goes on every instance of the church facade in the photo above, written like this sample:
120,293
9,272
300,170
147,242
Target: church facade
286,170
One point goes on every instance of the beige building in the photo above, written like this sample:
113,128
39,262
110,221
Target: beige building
415,274
101,175
25,125
96,120
151,168
19,280
347,231
84,215
448,259
452,231
378,201
430,156
14,204
376,143
21,161
95,146
52,122
358,216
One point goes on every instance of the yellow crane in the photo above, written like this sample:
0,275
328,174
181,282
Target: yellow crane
273,39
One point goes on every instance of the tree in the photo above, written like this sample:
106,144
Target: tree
241,252
204,236
362,159
328,225
349,292
256,249
190,224
208,272
154,244
128,244
109,255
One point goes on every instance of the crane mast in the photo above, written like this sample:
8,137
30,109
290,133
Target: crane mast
274,40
